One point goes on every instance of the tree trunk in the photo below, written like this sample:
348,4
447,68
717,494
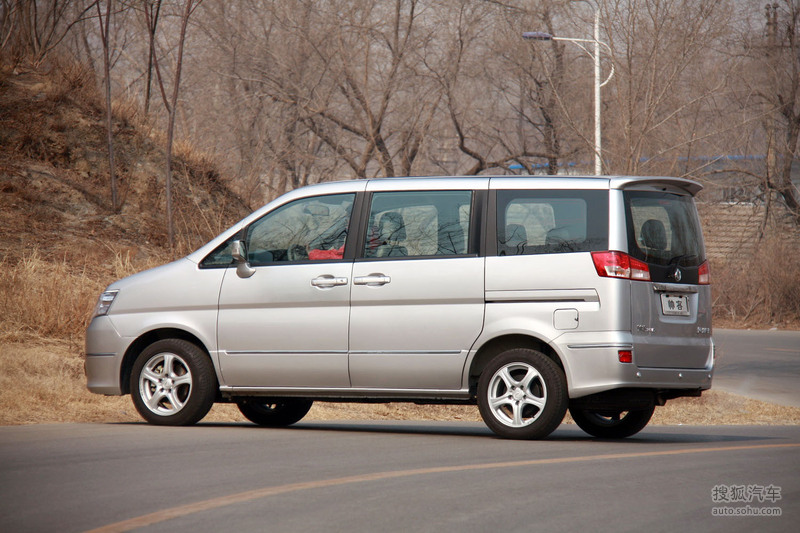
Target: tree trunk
104,35
151,12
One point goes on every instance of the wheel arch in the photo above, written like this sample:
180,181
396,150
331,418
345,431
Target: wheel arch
497,345
146,340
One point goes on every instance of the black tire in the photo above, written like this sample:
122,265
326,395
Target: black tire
522,394
274,412
161,391
614,424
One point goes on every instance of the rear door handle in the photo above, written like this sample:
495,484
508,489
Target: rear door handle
373,280
327,281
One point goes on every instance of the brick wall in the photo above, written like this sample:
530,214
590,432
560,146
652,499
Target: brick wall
731,230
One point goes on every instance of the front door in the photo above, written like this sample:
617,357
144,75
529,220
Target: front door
287,324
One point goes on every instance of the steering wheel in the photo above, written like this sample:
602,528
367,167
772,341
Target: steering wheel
297,252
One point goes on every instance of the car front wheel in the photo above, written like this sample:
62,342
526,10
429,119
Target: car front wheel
522,394
173,383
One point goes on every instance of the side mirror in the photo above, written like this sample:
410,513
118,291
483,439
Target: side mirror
243,268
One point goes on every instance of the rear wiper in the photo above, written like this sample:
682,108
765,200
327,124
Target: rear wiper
678,258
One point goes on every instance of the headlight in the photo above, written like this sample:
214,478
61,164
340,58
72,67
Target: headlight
104,303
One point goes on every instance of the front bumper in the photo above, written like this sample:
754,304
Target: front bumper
105,349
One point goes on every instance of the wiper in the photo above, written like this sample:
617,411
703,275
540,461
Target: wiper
678,258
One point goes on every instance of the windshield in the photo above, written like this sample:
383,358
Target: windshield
663,228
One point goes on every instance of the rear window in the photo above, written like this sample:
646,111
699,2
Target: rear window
663,228
548,222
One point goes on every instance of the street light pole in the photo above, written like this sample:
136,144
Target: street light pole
542,36
598,146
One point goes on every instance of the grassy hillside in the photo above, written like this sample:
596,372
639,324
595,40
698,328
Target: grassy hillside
60,241
56,220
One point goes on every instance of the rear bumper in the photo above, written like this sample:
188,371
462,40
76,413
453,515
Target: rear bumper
592,366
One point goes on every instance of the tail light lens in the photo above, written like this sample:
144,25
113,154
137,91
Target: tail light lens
620,265
704,274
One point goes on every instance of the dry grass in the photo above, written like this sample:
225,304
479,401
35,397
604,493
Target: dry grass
723,408
763,290
54,298
47,299
42,381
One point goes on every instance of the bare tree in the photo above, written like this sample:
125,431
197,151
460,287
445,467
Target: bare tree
32,29
325,88
499,93
152,11
551,100
781,96
659,49
268,144
104,22
297,91
357,115
171,106
761,104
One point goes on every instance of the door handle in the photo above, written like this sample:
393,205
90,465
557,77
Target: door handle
327,281
373,280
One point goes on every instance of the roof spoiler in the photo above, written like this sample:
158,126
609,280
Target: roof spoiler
692,187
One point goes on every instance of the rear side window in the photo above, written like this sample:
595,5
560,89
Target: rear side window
663,228
418,224
551,222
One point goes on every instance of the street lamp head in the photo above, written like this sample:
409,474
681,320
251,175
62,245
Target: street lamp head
537,36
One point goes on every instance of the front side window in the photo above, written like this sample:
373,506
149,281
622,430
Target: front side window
418,223
546,222
309,229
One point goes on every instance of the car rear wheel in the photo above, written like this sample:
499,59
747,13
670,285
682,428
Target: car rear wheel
522,394
274,412
173,383
611,424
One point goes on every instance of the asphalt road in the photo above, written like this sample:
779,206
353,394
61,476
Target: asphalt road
410,476
359,476
764,365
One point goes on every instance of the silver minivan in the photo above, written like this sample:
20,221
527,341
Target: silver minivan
526,295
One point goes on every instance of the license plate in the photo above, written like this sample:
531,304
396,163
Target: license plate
675,304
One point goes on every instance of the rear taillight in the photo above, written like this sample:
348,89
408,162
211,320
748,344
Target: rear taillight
704,274
620,265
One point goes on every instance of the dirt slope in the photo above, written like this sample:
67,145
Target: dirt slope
54,177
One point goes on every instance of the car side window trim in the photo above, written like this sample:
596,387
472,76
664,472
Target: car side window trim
490,233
